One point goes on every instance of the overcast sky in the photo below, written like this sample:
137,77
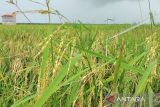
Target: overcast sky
88,11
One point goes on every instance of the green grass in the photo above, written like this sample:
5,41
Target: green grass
77,65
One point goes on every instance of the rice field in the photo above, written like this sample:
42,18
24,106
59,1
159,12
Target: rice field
78,65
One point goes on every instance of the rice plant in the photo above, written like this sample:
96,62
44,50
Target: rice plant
74,66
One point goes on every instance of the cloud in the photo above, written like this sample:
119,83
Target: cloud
100,3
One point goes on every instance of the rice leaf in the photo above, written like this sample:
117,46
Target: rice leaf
55,84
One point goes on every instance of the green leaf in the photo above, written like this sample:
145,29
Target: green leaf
72,96
55,84
137,58
22,101
143,82
150,96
